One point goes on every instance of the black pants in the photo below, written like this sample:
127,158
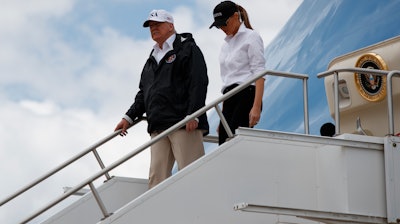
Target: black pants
236,110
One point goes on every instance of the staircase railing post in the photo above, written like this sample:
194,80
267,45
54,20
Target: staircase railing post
102,166
305,105
96,195
390,100
224,122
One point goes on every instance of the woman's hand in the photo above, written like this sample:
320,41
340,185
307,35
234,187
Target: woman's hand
254,116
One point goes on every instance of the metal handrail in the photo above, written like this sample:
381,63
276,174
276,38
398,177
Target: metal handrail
389,74
390,100
104,171
66,163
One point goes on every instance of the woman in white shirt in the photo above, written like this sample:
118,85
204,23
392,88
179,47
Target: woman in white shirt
241,57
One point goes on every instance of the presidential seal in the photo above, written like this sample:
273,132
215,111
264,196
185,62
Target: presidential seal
371,87
171,59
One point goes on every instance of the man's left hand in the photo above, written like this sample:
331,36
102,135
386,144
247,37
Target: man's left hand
191,125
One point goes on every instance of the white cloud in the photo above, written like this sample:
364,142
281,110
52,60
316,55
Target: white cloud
40,108
64,89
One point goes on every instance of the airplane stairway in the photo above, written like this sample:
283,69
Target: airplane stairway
258,176
340,179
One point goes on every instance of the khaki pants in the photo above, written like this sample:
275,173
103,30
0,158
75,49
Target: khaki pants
180,146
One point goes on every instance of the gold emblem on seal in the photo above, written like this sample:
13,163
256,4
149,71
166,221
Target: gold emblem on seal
371,87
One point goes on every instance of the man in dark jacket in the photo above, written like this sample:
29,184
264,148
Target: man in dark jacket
173,85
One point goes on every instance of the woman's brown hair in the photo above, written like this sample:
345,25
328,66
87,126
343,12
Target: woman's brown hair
244,16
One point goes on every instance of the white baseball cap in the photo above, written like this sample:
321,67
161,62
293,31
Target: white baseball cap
159,15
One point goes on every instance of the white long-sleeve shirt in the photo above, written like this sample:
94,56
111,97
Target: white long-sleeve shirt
159,53
241,57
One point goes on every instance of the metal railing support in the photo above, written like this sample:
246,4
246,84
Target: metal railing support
98,200
96,154
224,122
336,100
390,100
305,107
305,93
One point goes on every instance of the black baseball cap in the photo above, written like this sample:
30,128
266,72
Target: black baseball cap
222,12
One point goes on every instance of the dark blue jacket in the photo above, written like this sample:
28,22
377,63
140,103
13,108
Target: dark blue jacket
174,88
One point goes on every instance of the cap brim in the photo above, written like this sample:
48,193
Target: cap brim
218,23
146,23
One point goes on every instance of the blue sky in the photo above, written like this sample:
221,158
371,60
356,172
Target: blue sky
69,69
